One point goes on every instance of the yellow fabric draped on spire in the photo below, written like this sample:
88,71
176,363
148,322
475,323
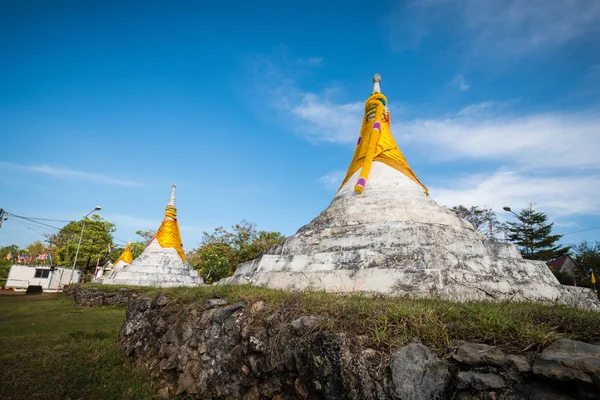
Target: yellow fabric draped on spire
376,143
168,234
126,256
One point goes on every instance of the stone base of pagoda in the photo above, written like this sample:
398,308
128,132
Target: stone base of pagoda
394,240
156,267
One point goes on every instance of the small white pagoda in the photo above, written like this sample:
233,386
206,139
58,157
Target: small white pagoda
110,269
162,263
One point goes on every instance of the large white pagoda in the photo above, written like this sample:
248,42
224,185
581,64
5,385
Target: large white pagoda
383,234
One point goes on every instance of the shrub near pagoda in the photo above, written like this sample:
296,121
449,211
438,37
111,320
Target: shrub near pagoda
221,251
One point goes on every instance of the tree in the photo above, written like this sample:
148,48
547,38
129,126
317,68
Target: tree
262,241
12,249
5,264
146,235
484,220
138,247
96,238
36,248
214,261
533,234
587,259
221,251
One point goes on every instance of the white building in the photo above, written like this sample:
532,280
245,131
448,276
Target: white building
22,276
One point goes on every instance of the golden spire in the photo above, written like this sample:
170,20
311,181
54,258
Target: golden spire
168,234
376,142
126,256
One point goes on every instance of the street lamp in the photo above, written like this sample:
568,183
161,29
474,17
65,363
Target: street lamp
97,208
528,234
510,211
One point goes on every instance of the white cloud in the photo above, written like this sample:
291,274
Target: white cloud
499,29
328,122
550,159
59,172
558,195
311,61
333,180
459,80
551,140
538,141
476,109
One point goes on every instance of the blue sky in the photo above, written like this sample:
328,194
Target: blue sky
252,109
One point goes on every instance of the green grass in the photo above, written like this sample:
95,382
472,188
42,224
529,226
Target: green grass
51,349
116,288
441,325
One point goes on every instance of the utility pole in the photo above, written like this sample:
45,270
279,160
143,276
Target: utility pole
3,216
79,244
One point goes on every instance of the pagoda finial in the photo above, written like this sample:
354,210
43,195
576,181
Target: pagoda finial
172,198
376,80
376,143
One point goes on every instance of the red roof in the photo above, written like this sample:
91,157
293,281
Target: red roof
558,263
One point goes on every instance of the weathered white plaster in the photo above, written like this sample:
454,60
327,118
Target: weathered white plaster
108,272
393,239
156,266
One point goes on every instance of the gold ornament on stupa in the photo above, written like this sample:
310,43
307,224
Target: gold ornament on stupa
126,256
168,234
376,142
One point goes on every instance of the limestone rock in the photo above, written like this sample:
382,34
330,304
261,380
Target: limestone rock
304,325
189,352
520,363
418,374
160,300
222,314
212,303
94,297
570,361
479,380
478,354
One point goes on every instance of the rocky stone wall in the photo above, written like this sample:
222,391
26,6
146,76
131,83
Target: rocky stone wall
246,351
94,297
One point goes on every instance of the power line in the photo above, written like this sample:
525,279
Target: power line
25,224
32,220
120,240
52,220
22,225
583,230
40,219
